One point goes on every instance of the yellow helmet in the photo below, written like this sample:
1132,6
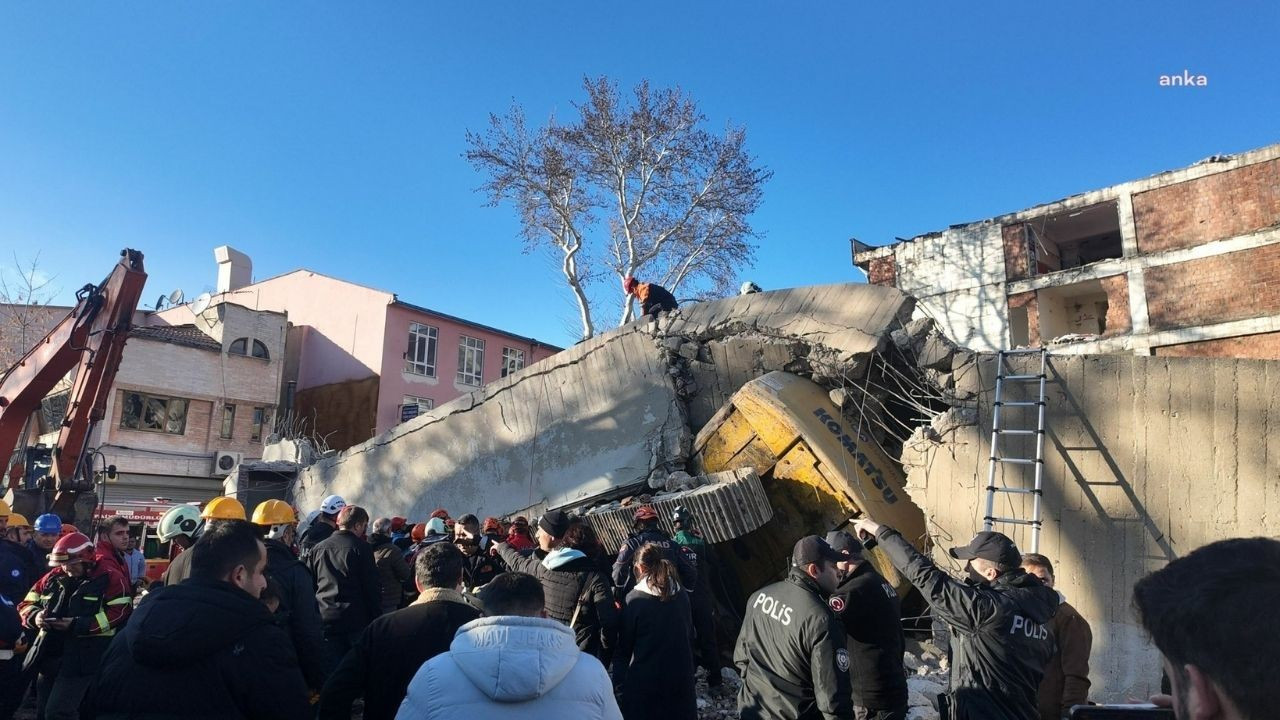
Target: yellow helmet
16,520
5,510
274,512
223,508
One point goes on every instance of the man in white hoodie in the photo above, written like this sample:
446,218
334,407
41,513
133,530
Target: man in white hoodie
513,663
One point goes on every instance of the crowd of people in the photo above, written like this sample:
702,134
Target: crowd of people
458,617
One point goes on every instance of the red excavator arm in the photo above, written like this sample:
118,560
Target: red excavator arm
90,341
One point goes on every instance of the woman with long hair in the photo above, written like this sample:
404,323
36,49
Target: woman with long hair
653,667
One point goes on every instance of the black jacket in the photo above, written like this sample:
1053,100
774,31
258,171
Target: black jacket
316,533
653,665
393,571
203,648
657,299
1000,638
597,624
869,609
17,570
387,656
684,559
791,654
298,613
347,584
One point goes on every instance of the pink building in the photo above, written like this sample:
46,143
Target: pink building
359,360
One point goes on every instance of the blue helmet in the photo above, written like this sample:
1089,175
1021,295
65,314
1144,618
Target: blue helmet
48,524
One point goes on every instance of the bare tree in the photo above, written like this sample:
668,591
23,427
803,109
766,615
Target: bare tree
25,293
635,187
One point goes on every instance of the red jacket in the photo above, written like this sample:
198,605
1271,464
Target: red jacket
105,555
97,607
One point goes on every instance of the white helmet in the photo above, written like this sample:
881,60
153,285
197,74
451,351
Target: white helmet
748,288
180,520
332,504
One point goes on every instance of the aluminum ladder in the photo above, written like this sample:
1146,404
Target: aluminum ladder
1003,375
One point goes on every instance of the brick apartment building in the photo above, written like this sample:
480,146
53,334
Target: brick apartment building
1183,263
360,360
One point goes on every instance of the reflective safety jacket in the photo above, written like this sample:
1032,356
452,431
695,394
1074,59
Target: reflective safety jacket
97,605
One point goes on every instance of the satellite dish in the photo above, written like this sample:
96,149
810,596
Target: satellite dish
160,302
200,304
176,297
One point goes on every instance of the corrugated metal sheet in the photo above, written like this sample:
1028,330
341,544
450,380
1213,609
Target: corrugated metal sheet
731,506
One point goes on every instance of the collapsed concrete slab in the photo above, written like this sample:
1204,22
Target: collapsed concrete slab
610,412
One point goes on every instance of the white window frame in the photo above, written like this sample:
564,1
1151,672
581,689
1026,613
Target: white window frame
470,361
512,360
424,348
425,405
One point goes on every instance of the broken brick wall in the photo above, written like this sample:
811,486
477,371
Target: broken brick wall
1262,346
1216,289
882,271
1146,458
1215,207
1017,253
1119,321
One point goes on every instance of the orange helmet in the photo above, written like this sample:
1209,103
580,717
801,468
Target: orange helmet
419,532
67,529
645,513
491,524
73,547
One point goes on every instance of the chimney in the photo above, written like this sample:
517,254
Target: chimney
235,269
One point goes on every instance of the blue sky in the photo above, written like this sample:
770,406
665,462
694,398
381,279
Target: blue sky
329,135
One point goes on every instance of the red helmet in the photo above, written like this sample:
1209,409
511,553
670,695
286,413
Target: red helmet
440,513
491,524
418,532
629,284
67,529
75,547
645,513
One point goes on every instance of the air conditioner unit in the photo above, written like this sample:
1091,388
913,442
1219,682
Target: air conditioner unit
224,461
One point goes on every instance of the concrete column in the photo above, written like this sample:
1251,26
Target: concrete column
1128,230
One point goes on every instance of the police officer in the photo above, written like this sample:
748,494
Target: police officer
647,531
869,609
791,653
1000,638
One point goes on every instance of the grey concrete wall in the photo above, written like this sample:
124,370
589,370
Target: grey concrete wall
1147,458
606,412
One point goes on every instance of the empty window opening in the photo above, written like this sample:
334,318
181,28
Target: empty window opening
1078,309
1019,327
1075,238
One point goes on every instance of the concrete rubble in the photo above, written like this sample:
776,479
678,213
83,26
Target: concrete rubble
618,412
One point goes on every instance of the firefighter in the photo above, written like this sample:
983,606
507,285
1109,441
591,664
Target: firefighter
77,607
791,653
298,613
217,510
701,597
322,526
998,618
653,297
180,526
647,531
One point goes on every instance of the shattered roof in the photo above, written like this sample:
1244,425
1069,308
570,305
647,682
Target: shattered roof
185,335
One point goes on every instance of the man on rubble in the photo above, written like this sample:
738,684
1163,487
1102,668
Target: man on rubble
298,613
323,526
1209,615
348,587
998,617
869,609
1066,676
653,297
646,528
791,653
